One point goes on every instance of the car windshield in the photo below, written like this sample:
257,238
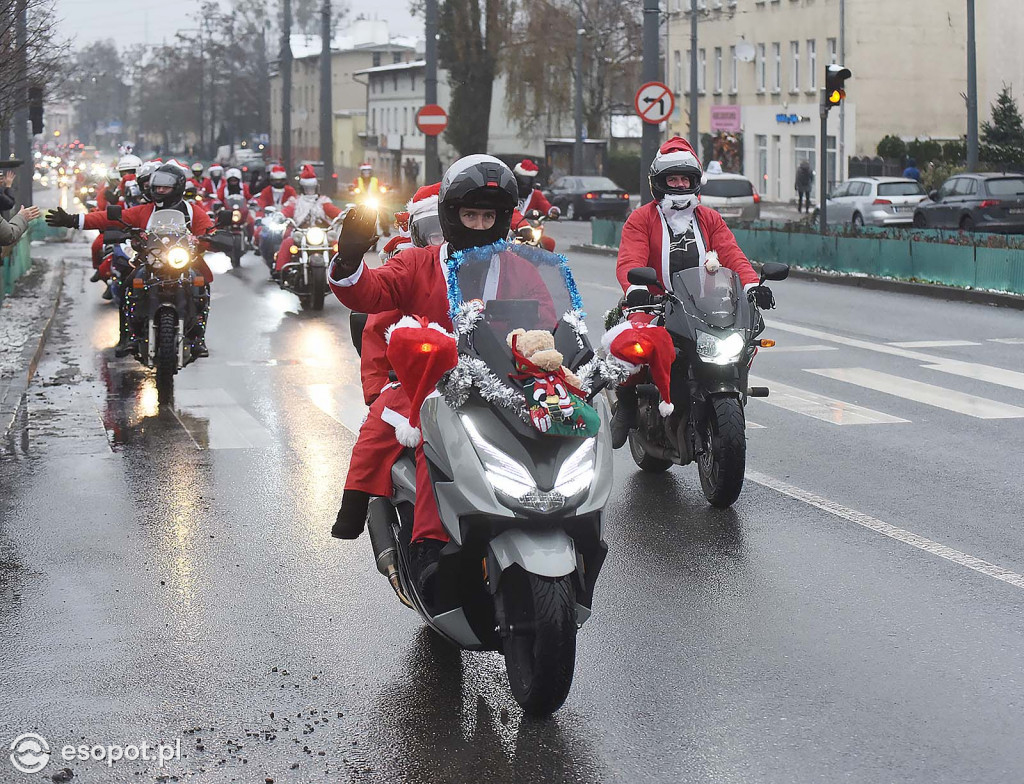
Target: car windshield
711,297
597,184
900,189
726,188
167,222
1006,186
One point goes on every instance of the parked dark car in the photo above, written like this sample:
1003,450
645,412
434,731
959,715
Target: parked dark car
580,198
975,202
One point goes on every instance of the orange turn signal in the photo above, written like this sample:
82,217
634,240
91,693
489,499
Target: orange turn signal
138,283
765,343
293,250
198,280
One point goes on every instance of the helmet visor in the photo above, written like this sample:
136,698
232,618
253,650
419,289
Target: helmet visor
426,231
162,179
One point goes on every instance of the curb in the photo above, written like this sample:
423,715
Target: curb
10,405
933,290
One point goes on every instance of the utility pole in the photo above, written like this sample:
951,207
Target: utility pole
651,73
841,141
577,147
22,144
326,111
694,135
286,87
432,163
823,166
972,91
202,89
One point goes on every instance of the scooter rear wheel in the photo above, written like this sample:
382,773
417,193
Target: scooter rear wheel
540,639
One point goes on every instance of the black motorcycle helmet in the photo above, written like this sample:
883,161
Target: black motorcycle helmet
675,156
481,182
167,176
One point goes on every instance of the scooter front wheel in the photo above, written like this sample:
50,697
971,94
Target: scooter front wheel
724,461
539,638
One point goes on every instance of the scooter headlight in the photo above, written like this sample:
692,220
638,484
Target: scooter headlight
236,216
316,236
719,351
577,472
372,203
178,258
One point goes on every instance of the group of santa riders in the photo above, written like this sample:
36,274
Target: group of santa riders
479,201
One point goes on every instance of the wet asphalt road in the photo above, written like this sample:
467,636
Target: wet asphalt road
167,573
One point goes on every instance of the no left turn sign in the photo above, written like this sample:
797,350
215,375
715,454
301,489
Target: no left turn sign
654,103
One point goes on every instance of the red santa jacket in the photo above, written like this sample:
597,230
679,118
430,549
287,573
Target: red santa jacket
267,198
222,190
373,363
414,283
209,187
645,241
102,200
535,201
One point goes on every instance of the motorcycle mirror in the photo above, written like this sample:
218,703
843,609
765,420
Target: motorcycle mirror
643,276
772,270
114,212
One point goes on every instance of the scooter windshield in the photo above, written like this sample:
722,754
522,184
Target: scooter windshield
167,223
502,287
712,297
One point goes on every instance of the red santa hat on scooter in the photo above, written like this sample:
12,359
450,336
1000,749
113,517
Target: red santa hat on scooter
632,346
420,353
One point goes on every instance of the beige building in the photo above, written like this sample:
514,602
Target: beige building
364,44
761,65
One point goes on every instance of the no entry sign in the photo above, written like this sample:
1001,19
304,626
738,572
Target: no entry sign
431,119
654,103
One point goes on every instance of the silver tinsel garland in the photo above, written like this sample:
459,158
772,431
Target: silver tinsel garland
470,373
575,319
467,316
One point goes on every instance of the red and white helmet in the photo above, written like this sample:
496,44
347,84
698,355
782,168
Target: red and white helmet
365,168
278,176
216,170
424,223
675,157
308,180
233,173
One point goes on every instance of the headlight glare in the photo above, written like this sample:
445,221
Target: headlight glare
719,351
316,236
177,258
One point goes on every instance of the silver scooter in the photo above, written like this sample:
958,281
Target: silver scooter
523,509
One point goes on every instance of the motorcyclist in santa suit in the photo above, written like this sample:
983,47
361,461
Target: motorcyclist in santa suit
672,233
477,197
167,188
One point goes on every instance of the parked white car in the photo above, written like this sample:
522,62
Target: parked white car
875,201
732,195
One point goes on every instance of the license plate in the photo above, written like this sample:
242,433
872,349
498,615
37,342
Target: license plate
609,196
897,209
1016,211
729,214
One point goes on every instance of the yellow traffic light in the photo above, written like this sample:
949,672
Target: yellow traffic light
836,97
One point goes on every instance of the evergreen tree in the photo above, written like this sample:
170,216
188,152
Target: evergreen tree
1007,126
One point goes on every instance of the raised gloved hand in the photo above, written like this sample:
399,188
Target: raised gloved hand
554,213
61,219
762,296
358,235
637,298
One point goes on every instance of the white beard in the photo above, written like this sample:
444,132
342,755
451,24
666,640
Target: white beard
309,210
679,212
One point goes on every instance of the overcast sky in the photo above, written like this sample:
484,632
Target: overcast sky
152,21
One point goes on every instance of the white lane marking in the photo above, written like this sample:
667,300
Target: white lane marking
602,286
930,395
993,375
214,420
755,426
342,403
827,409
934,343
887,529
1008,341
796,349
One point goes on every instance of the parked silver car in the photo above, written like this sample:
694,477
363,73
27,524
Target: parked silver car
732,195
875,201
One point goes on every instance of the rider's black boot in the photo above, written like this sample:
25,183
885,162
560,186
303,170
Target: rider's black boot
625,415
352,516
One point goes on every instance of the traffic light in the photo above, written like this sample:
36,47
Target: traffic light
835,81
35,109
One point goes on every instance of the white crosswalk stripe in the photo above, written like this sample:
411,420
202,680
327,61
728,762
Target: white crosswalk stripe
826,409
917,391
934,343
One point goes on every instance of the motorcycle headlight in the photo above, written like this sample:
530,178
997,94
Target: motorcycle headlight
509,478
316,236
719,351
236,216
372,203
178,258
577,472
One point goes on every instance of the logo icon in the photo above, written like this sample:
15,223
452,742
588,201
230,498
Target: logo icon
30,752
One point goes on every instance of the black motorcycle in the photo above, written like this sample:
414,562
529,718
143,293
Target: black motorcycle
231,222
715,329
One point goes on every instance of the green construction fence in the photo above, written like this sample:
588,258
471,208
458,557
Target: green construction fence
18,258
978,261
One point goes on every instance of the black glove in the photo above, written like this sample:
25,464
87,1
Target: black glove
358,235
636,298
525,233
61,219
762,296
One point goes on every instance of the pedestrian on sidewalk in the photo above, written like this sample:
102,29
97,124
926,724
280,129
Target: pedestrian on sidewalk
804,181
912,172
11,228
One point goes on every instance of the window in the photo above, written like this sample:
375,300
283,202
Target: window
965,187
794,66
702,70
777,67
901,189
718,70
412,81
762,164
373,120
832,55
394,77
734,73
948,186
405,120
677,71
376,59
841,192
726,187
396,58
804,148
812,65
686,71
1003,187
760,67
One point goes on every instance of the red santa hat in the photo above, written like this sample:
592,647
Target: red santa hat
420,354
307,176
526,168
674,152
395,245
216,168
424,202
277,170
635,345
365,165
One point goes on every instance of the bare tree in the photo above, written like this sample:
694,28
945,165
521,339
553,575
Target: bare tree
34,62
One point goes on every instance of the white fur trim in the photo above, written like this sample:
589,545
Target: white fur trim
629,367
749,286
351,280
711,263
422,208
405,434
406,322
665,409
523,172
614,332
442,330
636,288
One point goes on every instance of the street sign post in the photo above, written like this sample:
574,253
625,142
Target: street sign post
654,103
431,119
